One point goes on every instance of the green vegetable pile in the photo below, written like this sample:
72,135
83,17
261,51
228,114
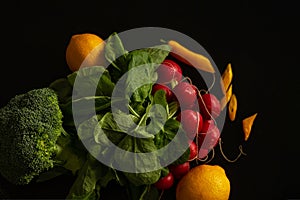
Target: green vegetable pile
41,139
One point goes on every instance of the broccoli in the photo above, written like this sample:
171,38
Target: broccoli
32,137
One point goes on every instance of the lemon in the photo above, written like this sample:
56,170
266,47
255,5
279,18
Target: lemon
84,50
204,182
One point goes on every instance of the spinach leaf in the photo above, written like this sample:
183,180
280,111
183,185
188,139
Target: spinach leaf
183,158
86,132
91,81
116,54
158,113
63,89
155,55
100,103
115,131
134,161
114,48
52,173
160,98
143,192
144,62
91,178
85,107
94,137
171,128
99,137
85,184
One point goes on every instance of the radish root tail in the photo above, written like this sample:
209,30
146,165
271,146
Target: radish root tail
212,156
226,158
188,79
203,159
161,194
206,109
213,83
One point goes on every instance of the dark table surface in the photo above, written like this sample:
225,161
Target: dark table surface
259,39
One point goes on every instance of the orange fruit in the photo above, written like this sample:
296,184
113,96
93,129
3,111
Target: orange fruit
84,50
204,182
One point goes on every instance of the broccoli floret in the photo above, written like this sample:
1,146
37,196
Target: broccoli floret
30,127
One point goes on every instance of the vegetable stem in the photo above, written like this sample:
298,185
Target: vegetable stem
133,112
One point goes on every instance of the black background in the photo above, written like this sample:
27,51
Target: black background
261,40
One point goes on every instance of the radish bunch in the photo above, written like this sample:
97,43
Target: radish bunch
197,113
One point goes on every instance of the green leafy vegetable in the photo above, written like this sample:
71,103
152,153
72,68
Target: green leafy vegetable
143,192
171,128
142,70
139,145
116,54
85,186
63,89
89,78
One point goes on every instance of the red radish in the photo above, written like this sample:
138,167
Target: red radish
186,94
207,124
202,153
193,150
179,170
165,182
210,139
169,71
195,105
191,122
169,94
212,104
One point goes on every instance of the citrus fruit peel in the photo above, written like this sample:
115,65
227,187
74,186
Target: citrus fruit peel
84,50
204,182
